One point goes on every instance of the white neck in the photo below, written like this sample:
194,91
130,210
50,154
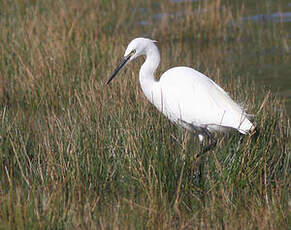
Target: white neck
147,70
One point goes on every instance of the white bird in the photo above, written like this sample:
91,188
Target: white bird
186,96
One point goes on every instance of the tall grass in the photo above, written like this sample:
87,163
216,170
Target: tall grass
75,154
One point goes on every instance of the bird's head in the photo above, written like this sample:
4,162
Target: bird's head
135,48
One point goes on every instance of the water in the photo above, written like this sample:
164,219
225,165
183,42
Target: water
274,17
266,64
183,1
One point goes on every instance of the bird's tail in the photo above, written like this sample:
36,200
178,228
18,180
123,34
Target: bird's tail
246,126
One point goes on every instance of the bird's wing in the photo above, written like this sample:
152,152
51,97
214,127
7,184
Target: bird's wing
192,97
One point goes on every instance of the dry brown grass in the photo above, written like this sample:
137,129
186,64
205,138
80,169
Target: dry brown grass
75,154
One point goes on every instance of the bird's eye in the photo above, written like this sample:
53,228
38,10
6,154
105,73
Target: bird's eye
132,52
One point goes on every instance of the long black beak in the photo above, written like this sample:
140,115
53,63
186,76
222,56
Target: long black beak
119,67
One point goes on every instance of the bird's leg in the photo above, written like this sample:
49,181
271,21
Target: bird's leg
198,175
202,132
210,146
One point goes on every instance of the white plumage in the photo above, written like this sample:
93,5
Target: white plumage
186,96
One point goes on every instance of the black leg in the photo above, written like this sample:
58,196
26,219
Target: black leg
210,146
198,175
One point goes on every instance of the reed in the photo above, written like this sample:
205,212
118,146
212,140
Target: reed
75,154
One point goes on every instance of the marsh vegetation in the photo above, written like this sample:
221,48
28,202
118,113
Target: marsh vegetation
76,154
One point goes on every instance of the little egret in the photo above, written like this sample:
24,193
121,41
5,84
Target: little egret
186,96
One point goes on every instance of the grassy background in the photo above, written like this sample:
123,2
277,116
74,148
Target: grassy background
75,154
